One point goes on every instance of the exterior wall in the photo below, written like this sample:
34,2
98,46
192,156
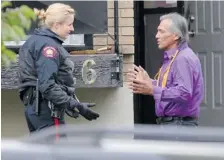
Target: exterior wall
115,105
126,31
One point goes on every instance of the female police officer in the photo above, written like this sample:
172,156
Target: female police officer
43,59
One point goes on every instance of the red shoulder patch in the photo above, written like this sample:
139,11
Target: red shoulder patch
49,52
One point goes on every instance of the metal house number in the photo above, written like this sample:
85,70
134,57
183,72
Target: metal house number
88,74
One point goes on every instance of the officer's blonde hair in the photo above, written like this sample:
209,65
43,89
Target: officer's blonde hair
57,12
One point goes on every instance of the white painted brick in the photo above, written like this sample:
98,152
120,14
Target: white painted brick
128,59
100,40
126,44
126,4
110,4
126,13
99,35
126,22
127,66
111,30
125,77
121,4
110,41
127,31
110,22
126,39
127,49
110,13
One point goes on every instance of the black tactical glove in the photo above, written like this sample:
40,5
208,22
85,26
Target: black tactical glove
84,110
72,113
69,90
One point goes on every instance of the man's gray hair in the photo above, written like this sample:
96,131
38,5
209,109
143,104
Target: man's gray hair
179,25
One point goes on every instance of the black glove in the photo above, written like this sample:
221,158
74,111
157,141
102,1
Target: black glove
69,90
84,110
72,113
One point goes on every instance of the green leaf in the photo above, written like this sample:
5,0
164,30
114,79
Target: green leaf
7,56
13,35
24,21
10,54
6,4
14,21
27,12
13,18
5,31
5,61
2,47
19,31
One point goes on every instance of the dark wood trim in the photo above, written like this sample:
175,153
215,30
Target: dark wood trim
180,7
116,28
159,10
68,48
139,53
88,39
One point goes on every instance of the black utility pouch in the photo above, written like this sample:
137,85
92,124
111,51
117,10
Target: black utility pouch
28,96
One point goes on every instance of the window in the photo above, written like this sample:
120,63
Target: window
160,4
91,19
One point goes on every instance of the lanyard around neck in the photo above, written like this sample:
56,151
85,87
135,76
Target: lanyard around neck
166,73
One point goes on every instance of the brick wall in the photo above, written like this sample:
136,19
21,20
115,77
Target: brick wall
126,32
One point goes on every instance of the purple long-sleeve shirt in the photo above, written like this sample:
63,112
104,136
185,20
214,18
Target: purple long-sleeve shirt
185,89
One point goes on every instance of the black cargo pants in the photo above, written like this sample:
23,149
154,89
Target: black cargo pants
44,119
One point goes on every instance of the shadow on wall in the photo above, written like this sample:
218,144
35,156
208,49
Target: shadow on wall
115,106
13,122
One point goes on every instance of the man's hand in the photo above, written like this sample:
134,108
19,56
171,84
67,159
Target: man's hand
139,81
132,73
137,73
142,86
142,74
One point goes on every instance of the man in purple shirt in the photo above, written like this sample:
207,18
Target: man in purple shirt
178,88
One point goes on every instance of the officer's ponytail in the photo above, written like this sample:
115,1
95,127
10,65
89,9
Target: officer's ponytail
41,15
56,12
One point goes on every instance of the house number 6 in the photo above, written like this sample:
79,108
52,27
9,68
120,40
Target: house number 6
88,74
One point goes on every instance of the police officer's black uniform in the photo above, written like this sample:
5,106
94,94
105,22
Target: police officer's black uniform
43,57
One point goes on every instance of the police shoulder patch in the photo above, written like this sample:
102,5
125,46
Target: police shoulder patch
49,52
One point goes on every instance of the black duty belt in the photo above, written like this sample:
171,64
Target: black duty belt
173,118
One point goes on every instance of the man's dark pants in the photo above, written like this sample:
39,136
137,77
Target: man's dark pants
186,121
171,121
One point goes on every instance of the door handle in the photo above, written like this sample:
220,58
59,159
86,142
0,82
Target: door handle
191,33
190,18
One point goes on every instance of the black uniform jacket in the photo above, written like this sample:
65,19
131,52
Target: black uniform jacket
42,56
